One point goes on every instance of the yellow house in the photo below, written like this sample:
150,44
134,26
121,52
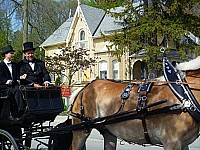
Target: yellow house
84,31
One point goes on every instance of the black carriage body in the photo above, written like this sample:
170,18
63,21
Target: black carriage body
42,104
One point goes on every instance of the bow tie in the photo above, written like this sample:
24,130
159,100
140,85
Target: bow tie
9,63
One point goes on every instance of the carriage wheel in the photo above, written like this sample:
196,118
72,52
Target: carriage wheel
7,142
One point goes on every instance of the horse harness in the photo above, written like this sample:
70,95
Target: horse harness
143,90
181,91
173,78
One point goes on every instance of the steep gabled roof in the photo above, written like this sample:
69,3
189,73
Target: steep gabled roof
60,35
97,20
93,17
108,25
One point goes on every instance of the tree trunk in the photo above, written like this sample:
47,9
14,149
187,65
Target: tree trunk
25,23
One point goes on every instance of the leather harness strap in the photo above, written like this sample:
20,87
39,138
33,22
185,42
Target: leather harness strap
146,135
142,101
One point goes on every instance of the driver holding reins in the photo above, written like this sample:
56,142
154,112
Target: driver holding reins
32,71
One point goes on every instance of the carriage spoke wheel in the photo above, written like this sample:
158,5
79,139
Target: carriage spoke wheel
7,142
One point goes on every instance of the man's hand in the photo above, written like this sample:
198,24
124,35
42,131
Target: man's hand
46,83
37,86
9,82
24,76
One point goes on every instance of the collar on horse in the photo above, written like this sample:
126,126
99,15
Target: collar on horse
181,91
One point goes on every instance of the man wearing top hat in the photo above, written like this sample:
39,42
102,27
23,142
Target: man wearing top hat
32,71
8,80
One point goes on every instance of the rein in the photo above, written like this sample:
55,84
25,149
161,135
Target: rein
81,115
157,82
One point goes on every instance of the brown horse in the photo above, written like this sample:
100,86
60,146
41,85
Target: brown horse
100,98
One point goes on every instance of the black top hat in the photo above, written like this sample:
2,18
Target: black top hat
7,49
28,46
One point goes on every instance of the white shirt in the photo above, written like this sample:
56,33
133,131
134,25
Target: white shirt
9,65
32,64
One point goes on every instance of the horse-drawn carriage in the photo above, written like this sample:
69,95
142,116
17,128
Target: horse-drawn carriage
41,105
155,112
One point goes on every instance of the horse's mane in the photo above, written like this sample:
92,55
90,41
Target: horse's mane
191,65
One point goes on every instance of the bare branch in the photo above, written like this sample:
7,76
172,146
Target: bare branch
17,3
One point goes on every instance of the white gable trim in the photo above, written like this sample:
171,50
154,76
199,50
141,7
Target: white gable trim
71,27
77,14
86,22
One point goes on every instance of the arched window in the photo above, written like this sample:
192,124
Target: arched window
115,66
81,43
82,35
103,69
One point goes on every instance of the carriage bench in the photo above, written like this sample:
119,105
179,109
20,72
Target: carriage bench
42,104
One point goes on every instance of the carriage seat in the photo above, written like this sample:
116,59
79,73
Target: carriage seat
42,104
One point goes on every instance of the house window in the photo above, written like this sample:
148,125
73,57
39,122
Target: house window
82,39
115,65
63,76
82,35
103,70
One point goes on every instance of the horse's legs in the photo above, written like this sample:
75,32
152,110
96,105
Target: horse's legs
174,146
79,139
110,141
169,145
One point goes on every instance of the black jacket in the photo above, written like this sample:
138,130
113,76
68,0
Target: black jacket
38,75
5,73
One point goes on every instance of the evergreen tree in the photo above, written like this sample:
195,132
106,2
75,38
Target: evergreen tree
104,4
150,25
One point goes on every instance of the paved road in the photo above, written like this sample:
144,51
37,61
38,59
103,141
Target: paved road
95,141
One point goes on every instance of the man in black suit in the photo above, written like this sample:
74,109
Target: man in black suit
33,71
8,80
